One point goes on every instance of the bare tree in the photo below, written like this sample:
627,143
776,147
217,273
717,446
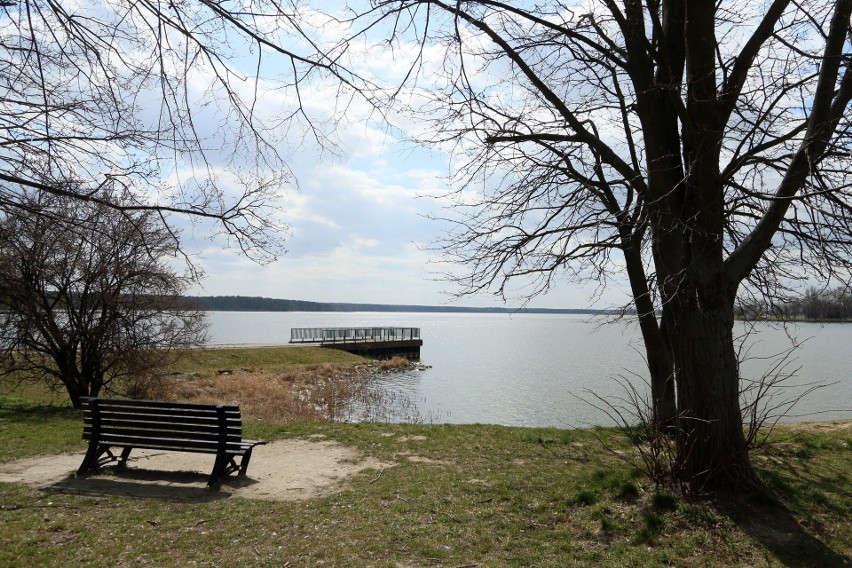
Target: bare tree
700,148
167,101
90,302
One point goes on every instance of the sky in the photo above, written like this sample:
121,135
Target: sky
359,214
360,232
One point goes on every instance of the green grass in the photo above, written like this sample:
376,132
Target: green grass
33,429
288,357
476,495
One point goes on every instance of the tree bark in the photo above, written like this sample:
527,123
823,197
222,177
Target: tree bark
711,443
74,393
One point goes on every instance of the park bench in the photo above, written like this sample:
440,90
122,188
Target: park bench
160,425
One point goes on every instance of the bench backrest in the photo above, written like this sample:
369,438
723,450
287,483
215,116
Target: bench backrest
161,424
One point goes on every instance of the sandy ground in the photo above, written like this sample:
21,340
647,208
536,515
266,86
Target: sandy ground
286,470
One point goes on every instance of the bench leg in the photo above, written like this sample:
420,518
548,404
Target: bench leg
93,459
244,463
227,464
90,461
122,461
219,469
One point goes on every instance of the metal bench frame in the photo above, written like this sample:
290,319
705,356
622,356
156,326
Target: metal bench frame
161,425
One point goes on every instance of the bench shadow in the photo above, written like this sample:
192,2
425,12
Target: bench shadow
150,484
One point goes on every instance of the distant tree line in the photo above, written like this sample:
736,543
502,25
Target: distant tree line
258,304
815,304
253,304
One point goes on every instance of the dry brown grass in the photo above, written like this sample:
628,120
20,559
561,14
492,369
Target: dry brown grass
394,364
326,392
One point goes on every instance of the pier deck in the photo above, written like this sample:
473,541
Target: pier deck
376,342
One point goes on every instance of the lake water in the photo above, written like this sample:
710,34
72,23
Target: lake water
541,370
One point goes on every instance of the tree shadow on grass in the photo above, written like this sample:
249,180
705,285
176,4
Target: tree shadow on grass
769,517
780,532
38,429
30,412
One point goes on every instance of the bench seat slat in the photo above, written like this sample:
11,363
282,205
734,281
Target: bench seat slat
156,443
234,429
200,446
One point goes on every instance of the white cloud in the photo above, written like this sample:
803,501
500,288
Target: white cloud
359,223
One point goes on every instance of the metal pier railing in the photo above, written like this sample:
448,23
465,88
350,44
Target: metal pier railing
326,335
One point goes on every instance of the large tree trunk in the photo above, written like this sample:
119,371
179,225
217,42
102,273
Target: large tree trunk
711,443
78,386
698,296
75,391
78,383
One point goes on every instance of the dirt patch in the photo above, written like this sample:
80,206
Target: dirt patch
287,470
422,459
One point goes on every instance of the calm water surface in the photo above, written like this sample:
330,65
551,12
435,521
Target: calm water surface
541,370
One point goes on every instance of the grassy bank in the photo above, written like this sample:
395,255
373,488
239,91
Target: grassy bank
280,358
453,496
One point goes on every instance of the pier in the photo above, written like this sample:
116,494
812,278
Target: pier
375,342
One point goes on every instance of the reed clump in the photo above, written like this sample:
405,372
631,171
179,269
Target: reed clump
394,364
330,392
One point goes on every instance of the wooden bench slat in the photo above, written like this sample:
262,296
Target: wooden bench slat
157,429
236,451
164,425
210,413
152,404
202,446
142,415
145,442
149,423
161,434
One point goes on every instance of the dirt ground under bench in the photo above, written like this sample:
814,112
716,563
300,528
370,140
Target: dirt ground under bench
285,470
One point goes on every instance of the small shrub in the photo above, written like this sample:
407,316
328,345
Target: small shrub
664,501
653,522
586,497
608,525
699,515
629,491
142,387
652,528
